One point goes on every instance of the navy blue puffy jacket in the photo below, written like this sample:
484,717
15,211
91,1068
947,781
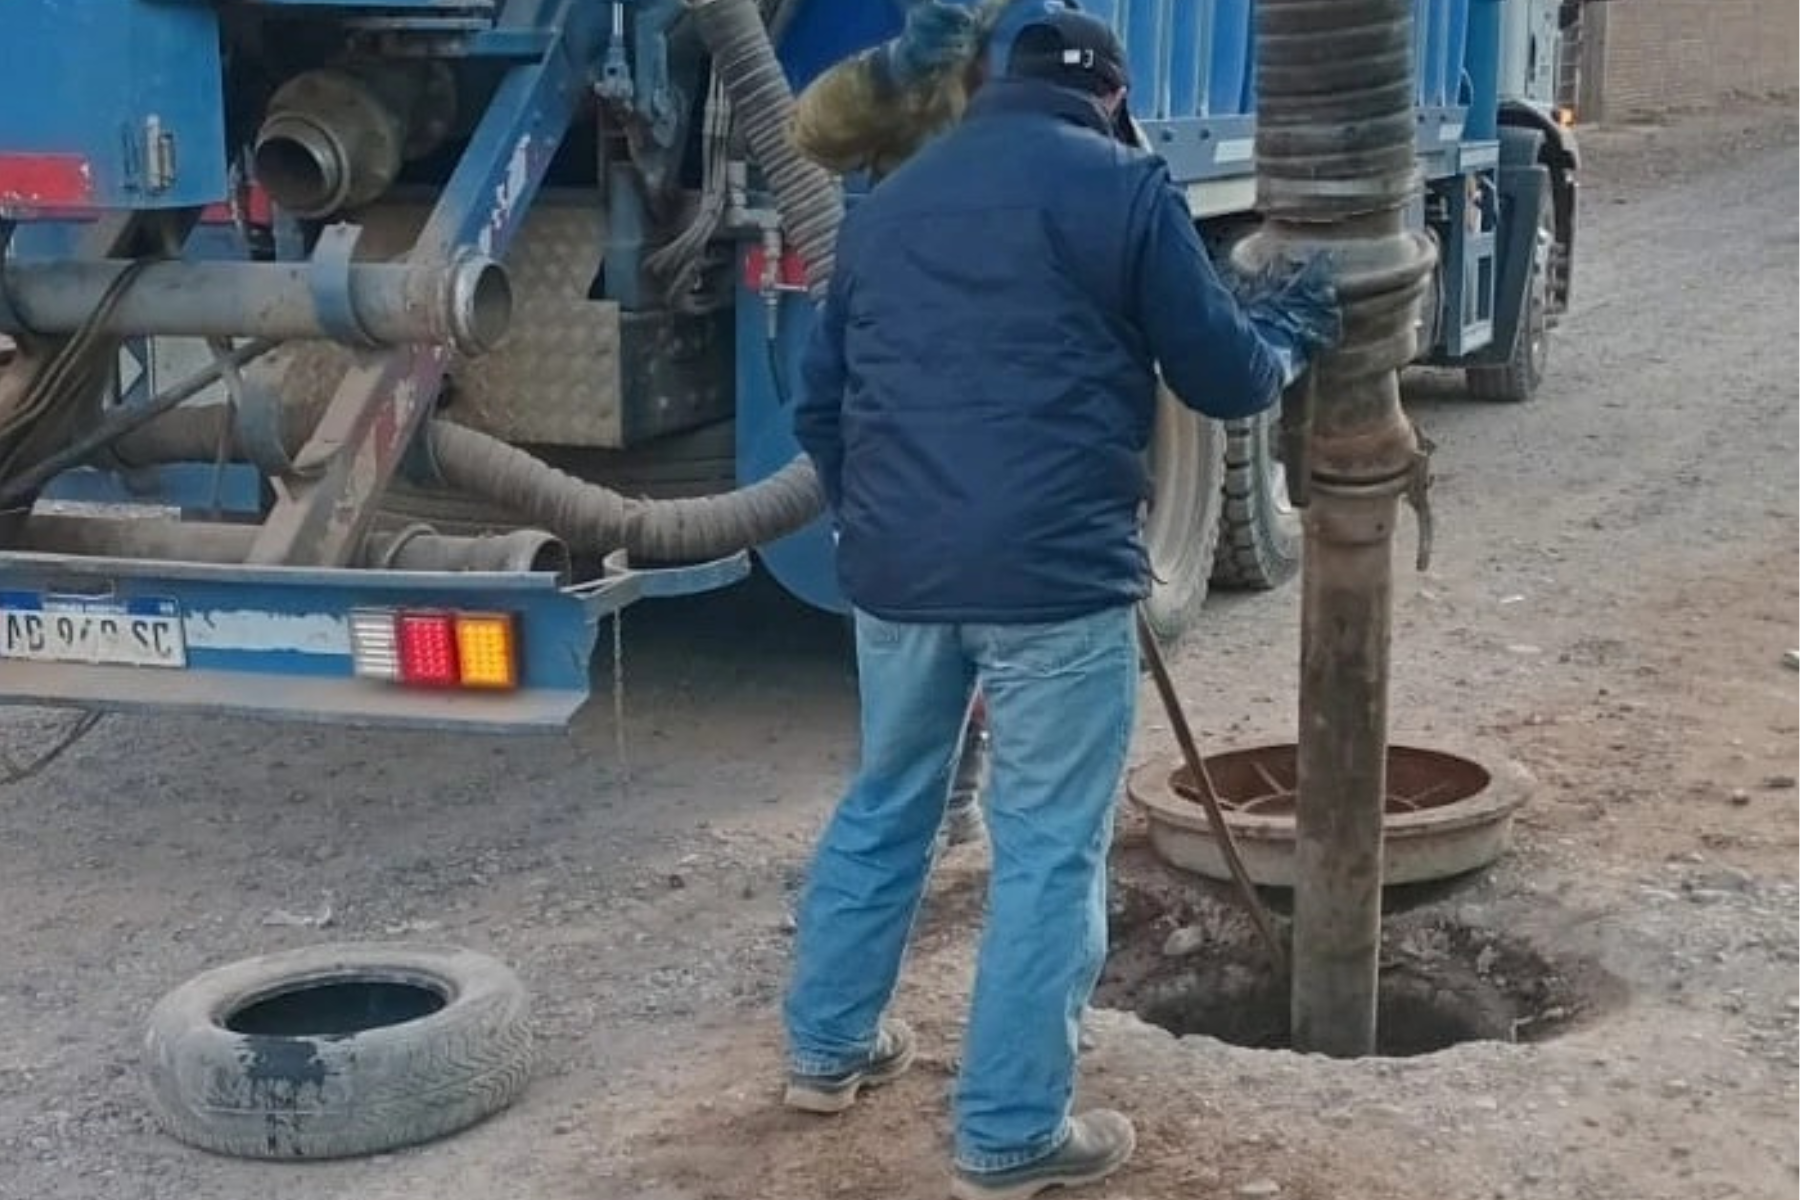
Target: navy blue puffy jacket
979,391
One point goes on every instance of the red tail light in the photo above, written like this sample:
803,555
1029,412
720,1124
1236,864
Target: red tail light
428,649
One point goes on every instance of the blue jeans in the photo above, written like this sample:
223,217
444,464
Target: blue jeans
1061,699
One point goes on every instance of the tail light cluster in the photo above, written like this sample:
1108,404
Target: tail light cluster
432,648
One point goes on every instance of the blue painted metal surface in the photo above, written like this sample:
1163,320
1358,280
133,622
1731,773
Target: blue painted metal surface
111,103
803,562
276,642
664,583
193,488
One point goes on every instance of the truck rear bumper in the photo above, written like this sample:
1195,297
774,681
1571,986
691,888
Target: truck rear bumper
277,642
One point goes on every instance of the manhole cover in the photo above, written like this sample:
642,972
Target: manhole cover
1190,963
1446,814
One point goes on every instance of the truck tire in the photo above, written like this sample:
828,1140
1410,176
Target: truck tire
1259,533
1181,529
1516,380
337,1050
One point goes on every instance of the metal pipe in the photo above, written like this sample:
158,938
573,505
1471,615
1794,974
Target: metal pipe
156,539
1336,167
416,548
122,421
335,139
467,303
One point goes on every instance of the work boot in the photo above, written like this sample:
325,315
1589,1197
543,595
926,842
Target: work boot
962,818
963,823
1099,1143
893,1053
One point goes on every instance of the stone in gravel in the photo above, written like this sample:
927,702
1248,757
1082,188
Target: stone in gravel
1740,797
1779,783
1189,939
1260,1187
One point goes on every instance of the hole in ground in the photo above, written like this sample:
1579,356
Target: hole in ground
1190,962
335,1008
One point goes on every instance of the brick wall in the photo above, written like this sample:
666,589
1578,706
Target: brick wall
1643,56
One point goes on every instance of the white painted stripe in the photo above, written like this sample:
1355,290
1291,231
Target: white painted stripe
241,630
1235,150
1216,198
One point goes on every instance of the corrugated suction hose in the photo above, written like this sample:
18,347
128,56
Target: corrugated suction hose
808,197
596,519
590,518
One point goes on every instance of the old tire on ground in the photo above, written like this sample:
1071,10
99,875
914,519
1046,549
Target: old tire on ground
337,1050
1259,533
1516,380
1187,457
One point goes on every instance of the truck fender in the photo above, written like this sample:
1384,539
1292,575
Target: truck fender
1556,149
1522,195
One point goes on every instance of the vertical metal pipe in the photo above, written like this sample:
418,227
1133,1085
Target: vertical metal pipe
1336,167
1346,598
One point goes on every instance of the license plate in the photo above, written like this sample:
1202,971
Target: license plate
77,629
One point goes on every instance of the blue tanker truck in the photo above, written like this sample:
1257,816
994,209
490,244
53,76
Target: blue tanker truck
364,356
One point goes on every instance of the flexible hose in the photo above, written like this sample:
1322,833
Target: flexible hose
595,518
590,518
807,196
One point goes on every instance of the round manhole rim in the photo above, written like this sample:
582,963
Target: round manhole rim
1430,843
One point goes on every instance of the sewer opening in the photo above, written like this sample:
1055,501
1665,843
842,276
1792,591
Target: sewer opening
1264,781
335,1008
1189,962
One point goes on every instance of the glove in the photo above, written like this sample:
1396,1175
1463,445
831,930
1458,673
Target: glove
936,38
873,111
1295,309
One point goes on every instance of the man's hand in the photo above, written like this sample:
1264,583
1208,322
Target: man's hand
1292,305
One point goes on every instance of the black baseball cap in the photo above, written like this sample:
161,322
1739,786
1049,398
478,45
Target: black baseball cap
1064,46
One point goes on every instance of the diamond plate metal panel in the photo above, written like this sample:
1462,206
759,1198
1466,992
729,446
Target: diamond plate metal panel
554,380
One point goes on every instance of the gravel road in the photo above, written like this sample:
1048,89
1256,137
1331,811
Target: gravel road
1613,588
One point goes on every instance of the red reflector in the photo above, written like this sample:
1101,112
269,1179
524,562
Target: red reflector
790,272
37,180
428,649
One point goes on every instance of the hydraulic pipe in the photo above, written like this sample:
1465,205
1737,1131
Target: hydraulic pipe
1336,168
416,548
467,303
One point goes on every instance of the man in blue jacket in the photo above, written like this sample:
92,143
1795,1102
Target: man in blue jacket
978,397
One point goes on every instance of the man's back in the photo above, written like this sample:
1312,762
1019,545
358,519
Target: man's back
997,368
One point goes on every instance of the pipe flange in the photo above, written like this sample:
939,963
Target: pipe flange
478,303
328,271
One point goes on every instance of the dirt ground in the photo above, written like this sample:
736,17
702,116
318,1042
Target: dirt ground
1613,589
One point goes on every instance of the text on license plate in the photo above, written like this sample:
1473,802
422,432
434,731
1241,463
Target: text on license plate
50,628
